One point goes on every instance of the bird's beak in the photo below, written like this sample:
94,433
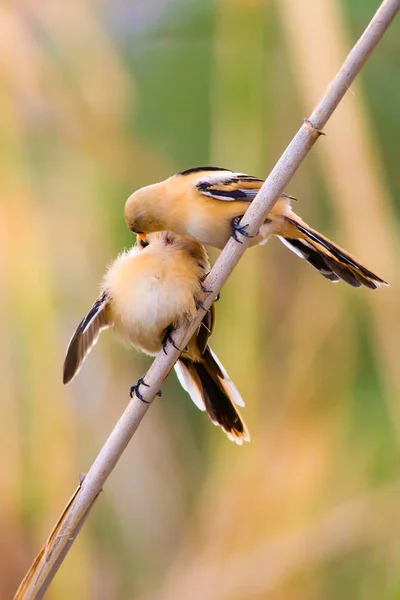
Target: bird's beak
142,237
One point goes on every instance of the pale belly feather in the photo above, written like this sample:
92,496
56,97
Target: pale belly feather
201,231
144,311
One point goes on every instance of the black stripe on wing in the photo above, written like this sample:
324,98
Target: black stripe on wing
211,190
237,186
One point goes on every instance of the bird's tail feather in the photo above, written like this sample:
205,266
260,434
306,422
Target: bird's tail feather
330,260
210,388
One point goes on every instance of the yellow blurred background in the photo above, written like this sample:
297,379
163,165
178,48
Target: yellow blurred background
98,99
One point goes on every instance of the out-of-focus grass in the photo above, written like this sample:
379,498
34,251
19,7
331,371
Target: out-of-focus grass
97,99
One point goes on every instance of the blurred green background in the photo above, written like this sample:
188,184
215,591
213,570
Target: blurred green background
98,99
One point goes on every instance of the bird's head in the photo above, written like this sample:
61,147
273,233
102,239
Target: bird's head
142,210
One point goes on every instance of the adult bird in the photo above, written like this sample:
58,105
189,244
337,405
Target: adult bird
206,204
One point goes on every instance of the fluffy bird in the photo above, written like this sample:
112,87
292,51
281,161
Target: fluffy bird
146,293
206,204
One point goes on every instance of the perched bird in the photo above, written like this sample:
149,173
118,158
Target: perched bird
146,293
206,204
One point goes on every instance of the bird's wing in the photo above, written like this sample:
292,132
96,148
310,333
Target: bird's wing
86,336
228,185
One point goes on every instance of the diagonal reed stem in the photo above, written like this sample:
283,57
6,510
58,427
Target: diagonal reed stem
39,577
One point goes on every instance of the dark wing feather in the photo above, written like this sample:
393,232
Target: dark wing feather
205,329
327,257
229,186
312,256
85,337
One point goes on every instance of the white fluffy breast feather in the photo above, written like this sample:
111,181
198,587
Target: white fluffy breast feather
146,297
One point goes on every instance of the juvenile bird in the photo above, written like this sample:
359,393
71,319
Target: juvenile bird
146,293
206,204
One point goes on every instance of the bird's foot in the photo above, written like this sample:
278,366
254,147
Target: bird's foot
200,304
168,338
136,391
237,228
205,290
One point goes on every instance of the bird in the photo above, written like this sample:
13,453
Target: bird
146,293
205,204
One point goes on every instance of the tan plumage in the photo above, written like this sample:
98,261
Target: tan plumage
147,292
203,204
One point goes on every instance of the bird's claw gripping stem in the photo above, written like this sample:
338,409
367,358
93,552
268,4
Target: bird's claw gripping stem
168,338
135,390
236,228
